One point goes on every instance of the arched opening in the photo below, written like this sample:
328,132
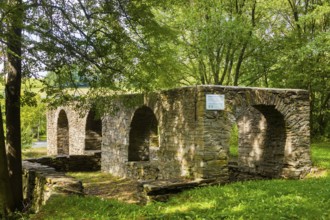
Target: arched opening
93,135
143,134
273,146
62,133
233,143
259,133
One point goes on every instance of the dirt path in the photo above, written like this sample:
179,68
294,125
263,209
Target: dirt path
106,186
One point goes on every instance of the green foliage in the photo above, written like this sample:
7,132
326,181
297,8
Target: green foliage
33,113
281,43
141,46
213,37
33,121
233,142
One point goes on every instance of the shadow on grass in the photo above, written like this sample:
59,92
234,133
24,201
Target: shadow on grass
272,199
268,199
275,199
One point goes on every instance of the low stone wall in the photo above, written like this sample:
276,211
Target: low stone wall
41,182
74,163
45,177
142,169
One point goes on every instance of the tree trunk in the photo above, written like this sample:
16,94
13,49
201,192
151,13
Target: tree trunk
239,63
13,89
6,200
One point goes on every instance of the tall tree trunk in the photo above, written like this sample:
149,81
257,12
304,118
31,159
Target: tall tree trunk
13,89
242,52
239,63
6,200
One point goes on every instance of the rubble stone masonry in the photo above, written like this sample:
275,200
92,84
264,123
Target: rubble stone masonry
172,135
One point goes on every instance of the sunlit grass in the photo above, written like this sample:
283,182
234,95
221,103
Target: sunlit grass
34,152
92,177
320,153
266,199
189,206
270,199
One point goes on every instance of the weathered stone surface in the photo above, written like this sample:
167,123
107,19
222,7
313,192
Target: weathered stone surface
40,182
73,163
177,137
161,190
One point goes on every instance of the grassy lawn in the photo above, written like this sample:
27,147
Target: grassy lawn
34,152
268,199
321,155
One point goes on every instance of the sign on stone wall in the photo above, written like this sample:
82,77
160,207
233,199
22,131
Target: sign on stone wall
215,102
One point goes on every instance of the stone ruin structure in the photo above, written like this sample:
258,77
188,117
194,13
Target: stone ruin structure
184,133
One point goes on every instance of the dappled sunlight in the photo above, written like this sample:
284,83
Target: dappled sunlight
288,145
259,139
107,186
262,124
291,199
270,199
239,208
245,124
190,206
256,149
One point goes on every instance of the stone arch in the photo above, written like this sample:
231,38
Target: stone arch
143,134
93,132
264,131
251,129
273,142
62,133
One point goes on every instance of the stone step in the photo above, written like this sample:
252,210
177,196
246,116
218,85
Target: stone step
160,190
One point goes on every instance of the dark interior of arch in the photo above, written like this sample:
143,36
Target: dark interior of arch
93,137
143,130
272,159
62,133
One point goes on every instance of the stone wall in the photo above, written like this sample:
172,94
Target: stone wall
72,163
178,152
45,177
69,131
274,132
171,134
41,182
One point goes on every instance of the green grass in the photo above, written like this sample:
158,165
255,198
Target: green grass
320,153
266,199
233,142
34,152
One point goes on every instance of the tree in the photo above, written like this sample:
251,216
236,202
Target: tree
216,37
256,43
114,44
6,200
109,42
128,46
13,198
33,119
304,59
